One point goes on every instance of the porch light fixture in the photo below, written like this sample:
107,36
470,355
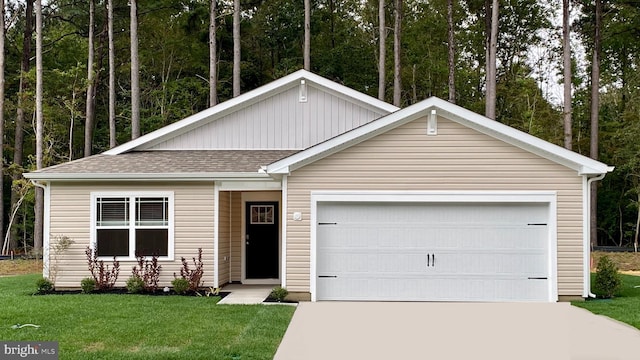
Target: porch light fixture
303,91
432,124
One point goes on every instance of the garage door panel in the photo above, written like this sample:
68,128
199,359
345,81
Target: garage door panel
386,251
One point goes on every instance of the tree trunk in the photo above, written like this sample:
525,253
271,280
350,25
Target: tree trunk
2,25
39,211
135,73
383,50
236,48
307,35
452,53
213,56
490,105
566,56
397,46
112,78
89,115
20,113
595,110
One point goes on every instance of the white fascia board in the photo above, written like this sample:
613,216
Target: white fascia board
146,177
245,100
581,164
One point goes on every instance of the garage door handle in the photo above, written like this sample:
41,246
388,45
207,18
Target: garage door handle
537,278
327,276
431,260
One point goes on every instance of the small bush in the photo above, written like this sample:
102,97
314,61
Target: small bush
104,276
135,285
193,276
88,285
148,271
607,281
44,286
180,285
279,293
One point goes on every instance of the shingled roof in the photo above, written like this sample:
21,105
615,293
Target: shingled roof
164,164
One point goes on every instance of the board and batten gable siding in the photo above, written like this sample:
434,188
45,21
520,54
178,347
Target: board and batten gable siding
278,122
457,158
193,227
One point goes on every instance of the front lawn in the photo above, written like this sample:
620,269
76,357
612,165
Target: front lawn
624,307
111,326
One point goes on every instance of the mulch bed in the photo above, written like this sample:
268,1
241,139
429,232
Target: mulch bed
123,291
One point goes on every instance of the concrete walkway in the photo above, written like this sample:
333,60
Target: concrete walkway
385,330
245,294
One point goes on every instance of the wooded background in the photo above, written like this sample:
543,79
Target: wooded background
162,63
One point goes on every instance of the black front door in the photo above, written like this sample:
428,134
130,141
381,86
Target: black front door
261,240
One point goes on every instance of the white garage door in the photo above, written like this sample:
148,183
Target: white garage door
432,251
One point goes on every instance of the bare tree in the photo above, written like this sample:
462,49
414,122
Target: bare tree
213,56
595,111
39,211
112,77
89,115
452,53
383,50
20,112
490,105
135,73
566,57
236,48
2,25
397,47
307,35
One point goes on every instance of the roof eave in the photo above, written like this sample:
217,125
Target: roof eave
146,176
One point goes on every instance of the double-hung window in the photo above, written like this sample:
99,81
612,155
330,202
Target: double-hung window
130,224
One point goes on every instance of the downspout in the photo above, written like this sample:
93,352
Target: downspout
45,227
587,240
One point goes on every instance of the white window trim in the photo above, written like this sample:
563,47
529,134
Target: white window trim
132,195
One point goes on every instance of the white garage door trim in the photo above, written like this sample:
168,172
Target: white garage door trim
547,197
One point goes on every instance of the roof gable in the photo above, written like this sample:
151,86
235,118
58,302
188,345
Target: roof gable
582,164
271,117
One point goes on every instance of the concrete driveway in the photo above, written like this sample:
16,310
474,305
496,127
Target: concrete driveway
492,331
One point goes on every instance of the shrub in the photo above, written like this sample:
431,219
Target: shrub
193,276
607,281
279,293
44,285
180,285
148,271
88,284
104,276
135,285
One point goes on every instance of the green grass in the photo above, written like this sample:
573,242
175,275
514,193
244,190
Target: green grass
110,326
624,307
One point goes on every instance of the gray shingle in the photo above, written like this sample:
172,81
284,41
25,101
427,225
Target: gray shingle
182,161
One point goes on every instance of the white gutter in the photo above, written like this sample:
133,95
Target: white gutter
45,228
587,234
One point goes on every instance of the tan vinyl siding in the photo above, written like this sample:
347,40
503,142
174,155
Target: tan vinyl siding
193,227
224,236
458,158
236,236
